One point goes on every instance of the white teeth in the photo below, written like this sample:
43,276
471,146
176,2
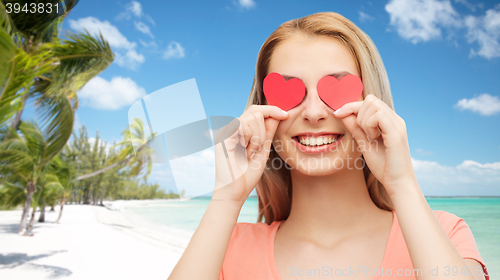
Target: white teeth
317,141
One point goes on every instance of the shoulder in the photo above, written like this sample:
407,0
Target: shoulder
249,242
248,252
446,217
251,237
252,231
457,230
448,221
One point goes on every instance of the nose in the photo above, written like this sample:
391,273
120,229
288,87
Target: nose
314,109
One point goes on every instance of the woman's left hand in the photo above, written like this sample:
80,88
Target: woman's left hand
387,154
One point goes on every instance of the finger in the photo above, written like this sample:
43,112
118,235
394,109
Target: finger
270,111
262,128
347,109
242,136
383,121
247,133
271,126
368,109
253,144
357,132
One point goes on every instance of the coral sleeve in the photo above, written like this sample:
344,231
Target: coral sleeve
462,238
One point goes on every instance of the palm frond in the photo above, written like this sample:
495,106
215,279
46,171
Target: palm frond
58,117
81,57
21,77
6,46
11,195
35,141
39,27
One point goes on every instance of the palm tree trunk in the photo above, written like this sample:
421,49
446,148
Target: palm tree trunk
63,201
102,195
42,212
32,221
88,198
27,205
17,117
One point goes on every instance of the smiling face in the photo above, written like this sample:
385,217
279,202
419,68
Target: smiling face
312,122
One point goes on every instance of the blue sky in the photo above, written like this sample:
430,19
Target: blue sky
442,58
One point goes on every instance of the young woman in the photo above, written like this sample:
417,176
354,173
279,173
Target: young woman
336,188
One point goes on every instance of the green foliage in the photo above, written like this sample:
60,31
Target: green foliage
135,190
135,144
6,46
35,62
21,77
121,181
39,27
81,58
26,157
11,195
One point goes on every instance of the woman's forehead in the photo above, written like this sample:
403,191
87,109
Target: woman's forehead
305,56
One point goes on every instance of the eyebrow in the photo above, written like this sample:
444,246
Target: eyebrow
337,75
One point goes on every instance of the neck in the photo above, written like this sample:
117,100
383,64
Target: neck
337,205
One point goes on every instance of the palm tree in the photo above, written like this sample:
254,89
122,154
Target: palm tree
17,70
65,173
28,154
50,185
137,161
41,65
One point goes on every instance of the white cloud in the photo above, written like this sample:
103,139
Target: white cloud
125,53
483,104
363,17
109,31
107,146
470,6
247,4
424,20
142,27
486,32
134,9
174,50
195,173
152,44
421,20
131,59
110,95
468,178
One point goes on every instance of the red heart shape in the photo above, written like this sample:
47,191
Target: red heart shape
281,93
335,93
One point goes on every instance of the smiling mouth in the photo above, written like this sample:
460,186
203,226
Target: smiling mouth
323,140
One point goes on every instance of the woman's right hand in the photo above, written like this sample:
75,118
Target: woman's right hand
237,174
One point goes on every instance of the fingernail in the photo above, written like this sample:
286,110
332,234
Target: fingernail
284,112
337,111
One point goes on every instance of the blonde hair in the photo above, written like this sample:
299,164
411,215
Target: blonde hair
274,189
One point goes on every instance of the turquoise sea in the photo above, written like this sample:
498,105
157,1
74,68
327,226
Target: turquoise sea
481,214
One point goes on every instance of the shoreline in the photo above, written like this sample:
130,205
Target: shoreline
89,242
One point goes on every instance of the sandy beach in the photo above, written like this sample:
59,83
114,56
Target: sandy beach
90,242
